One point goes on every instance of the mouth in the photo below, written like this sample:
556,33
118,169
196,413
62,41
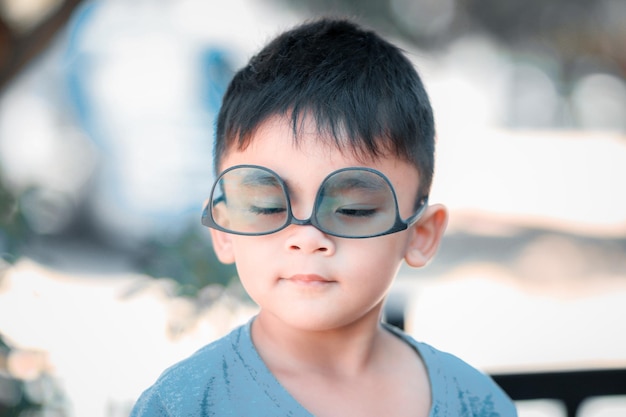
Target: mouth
308,279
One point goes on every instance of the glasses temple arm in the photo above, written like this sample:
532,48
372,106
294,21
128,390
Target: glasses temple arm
420,211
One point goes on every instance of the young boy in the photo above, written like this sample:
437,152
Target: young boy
324,155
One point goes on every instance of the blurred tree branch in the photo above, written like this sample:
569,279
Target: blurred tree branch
18,47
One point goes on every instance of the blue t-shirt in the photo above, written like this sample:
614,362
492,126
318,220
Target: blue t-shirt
229,378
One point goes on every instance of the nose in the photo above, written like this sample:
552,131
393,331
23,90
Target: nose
308,240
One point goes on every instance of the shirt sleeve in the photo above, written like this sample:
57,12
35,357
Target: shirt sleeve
149,404
468,392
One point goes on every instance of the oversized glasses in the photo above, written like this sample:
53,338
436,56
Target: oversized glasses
351,203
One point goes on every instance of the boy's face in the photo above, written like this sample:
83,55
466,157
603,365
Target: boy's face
302,276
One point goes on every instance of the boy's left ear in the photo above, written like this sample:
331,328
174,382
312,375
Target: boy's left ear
426,236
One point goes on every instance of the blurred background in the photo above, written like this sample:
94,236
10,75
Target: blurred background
106,125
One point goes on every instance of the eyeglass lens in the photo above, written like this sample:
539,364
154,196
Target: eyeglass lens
352,202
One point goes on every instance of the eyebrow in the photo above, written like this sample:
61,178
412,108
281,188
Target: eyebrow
355,182
363,183
258,177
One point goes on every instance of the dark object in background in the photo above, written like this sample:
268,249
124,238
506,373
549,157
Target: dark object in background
572,388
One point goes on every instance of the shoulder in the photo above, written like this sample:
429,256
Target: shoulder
465,390
458,389
208,360
203,371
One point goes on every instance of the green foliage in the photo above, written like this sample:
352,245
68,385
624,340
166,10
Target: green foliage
189,260
13,228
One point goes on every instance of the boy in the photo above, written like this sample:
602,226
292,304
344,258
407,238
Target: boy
324,154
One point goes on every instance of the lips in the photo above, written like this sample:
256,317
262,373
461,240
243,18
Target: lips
308,279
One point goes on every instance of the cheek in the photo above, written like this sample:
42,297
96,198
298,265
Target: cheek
379,255
247,253
253,257
393,245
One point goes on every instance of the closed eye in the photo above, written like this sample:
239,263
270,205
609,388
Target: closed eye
356,212
267,211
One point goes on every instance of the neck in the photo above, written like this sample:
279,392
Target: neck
344,350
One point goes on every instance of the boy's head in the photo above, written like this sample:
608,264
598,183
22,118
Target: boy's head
356,86
325,156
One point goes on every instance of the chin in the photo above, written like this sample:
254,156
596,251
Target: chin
327,321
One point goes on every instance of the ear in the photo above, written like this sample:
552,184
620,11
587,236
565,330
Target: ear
223,246
426,236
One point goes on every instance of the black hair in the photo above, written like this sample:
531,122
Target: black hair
356,86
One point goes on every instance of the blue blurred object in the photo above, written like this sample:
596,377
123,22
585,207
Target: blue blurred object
147,95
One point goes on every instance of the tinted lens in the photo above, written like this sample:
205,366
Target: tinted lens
249,200
355,203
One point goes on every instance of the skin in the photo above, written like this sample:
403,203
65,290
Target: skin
321,297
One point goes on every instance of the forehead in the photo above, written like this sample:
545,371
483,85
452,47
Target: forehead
312,155
302,134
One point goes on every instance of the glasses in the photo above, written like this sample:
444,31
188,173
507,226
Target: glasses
351,203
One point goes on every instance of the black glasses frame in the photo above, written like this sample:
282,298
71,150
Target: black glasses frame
398,226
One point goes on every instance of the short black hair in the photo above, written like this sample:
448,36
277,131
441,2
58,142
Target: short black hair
354,84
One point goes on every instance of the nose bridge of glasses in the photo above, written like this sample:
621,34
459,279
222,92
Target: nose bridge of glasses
301,202
301,222
301,211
